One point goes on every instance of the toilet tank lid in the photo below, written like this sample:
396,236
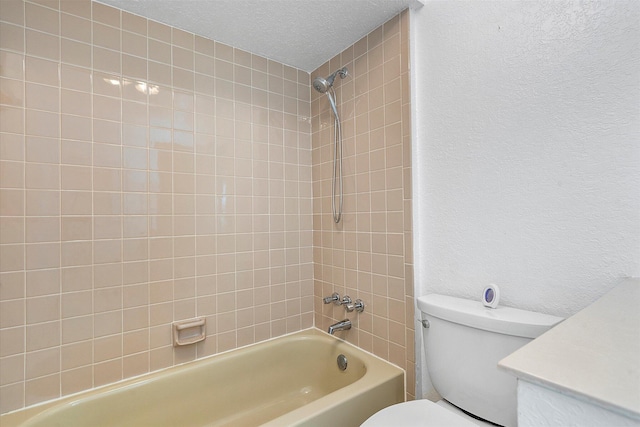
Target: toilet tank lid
504,320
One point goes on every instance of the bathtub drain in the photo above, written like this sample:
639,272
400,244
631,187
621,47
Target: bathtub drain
342,362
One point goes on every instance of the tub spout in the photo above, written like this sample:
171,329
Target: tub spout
343,325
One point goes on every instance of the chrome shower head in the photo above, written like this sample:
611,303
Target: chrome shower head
322,85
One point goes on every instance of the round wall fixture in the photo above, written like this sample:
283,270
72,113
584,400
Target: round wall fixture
491,296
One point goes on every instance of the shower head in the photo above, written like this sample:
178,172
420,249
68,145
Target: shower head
322,85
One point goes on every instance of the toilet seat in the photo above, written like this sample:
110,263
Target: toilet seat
416,413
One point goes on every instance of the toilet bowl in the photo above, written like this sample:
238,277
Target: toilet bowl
421,413
464,341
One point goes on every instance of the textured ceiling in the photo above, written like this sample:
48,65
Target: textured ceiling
300,33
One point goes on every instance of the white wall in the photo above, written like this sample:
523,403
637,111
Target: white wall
526,149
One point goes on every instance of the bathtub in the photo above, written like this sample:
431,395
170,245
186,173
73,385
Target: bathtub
288,381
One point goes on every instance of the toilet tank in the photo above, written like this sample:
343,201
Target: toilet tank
464,343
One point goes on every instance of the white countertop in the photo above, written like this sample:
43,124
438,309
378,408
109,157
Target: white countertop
593,355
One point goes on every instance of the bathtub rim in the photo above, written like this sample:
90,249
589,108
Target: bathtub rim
19,416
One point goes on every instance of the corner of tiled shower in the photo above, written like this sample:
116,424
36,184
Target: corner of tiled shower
369,254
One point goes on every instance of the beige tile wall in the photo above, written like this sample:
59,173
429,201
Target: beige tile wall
369,254
147,175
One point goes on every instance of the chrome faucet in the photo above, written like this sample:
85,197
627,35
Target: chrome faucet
342,325
334,298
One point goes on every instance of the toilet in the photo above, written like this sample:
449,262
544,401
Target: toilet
464,341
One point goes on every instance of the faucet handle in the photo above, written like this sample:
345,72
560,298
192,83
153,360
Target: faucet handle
346,300
348,303
334,298
357,305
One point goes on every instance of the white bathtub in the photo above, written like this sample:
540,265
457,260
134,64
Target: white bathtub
289,381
